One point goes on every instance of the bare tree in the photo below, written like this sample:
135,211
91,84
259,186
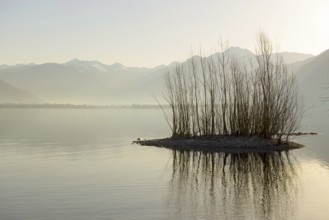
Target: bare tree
222,95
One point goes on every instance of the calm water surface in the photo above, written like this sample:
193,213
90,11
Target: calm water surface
80,164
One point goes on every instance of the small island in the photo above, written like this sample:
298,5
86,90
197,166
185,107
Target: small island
227,144
232,104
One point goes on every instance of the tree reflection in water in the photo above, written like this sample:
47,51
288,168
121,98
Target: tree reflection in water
233,186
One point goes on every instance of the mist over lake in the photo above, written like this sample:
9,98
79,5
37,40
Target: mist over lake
80,164
68,161
178,110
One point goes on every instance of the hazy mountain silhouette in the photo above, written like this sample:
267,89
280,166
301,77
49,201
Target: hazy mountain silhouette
289,57
313,75
92,82
11,94
84,82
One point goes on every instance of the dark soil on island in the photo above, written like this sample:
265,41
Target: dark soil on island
229,143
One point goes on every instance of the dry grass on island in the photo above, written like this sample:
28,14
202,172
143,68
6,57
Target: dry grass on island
222,103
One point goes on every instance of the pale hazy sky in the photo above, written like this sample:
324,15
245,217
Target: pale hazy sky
153,32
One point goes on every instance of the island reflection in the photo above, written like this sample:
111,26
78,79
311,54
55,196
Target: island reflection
233,186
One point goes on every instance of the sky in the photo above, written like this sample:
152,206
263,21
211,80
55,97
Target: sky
148,33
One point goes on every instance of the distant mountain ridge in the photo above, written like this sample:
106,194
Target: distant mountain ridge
92,82
11,94
289,57
84,82
313,76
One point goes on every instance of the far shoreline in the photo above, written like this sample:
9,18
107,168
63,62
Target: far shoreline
76,106
221,143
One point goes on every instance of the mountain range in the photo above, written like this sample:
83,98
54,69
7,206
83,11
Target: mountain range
12,94
83,82
95,83
313,78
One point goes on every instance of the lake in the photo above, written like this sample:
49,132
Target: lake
81,164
